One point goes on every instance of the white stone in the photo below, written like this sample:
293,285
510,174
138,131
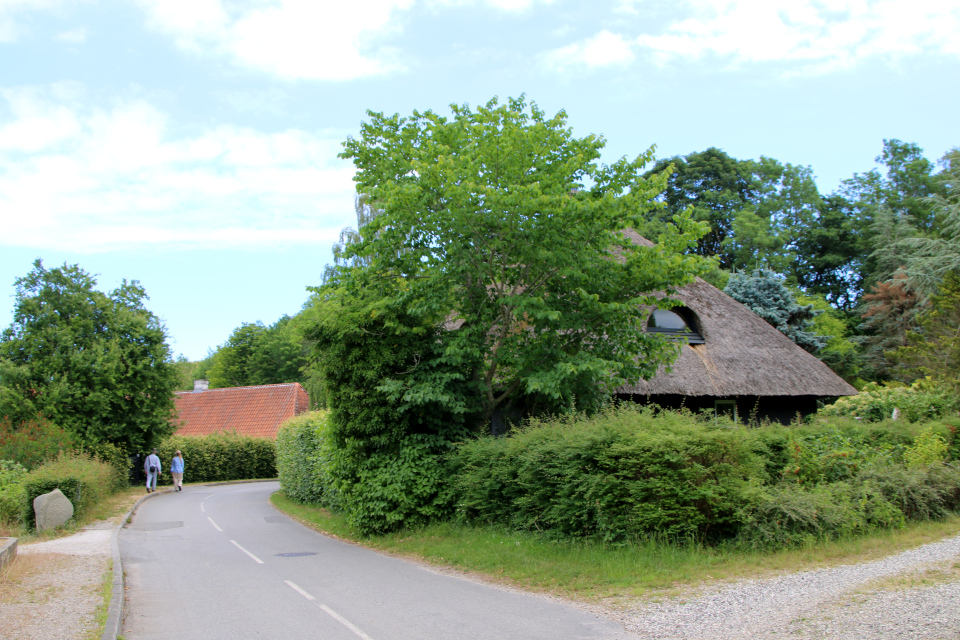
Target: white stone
52,509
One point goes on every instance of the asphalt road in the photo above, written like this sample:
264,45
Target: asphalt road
212,563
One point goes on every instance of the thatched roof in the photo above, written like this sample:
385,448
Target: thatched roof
742,355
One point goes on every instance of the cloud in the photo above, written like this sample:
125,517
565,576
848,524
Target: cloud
602,50
9,9
89,178
292,39
817,35
76,36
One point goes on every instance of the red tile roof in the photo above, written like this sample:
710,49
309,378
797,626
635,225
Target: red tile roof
249,411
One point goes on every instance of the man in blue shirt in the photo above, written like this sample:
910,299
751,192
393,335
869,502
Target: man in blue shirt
152,468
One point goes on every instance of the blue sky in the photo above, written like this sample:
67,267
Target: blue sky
191,144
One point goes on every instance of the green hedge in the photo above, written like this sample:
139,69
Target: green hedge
79,476
219,458
630,473
304,452
625,474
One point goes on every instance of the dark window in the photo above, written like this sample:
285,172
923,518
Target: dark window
678,323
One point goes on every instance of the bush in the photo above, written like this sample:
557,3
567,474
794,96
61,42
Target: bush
219,458
304,455
11,491
883,496
33,442
81,477
919,402
624,474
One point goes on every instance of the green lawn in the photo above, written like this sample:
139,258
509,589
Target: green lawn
593,571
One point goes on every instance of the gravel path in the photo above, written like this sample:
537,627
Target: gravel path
60,600
915,594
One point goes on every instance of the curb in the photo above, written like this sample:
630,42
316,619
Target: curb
111,629
8,550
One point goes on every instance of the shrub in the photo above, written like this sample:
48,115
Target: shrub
789,514
33,442
116,457
919,402
11,491
219,458
928,448
882,496
623,474
81,477
304,455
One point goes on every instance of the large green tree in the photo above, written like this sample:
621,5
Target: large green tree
933,350
756,209
502,225
93,363
255,354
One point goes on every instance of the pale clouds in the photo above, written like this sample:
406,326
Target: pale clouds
89,178
811,36
290,39
10,10
602,50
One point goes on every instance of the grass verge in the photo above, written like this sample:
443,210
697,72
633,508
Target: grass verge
112,508
100,615
596,572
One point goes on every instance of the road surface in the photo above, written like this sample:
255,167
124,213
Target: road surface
219,562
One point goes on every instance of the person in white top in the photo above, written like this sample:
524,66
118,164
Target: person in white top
152,468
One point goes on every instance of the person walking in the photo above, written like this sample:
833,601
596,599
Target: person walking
152,468
176,470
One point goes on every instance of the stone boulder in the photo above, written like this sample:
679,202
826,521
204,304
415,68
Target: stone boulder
53,510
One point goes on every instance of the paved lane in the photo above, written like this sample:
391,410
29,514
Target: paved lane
212,563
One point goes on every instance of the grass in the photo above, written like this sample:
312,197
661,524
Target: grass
112,508
596,572
101,614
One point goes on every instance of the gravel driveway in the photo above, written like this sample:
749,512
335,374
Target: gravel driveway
915,594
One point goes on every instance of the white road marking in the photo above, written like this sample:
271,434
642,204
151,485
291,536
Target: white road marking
333,614
214,524
255,558
300,591
202,508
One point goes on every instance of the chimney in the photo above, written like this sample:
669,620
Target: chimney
200,385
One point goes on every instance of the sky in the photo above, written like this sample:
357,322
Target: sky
192,144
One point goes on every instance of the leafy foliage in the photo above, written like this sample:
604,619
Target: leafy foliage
630,473
382,448
915,403
304,459
82,478
219,458
767,296
11,491
933,350
487,220
97,365
621,475
33,442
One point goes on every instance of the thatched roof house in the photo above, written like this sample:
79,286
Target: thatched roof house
732,360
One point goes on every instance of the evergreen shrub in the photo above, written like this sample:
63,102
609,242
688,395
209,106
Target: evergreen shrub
81,477
219,458
11,491
624,474
304,456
